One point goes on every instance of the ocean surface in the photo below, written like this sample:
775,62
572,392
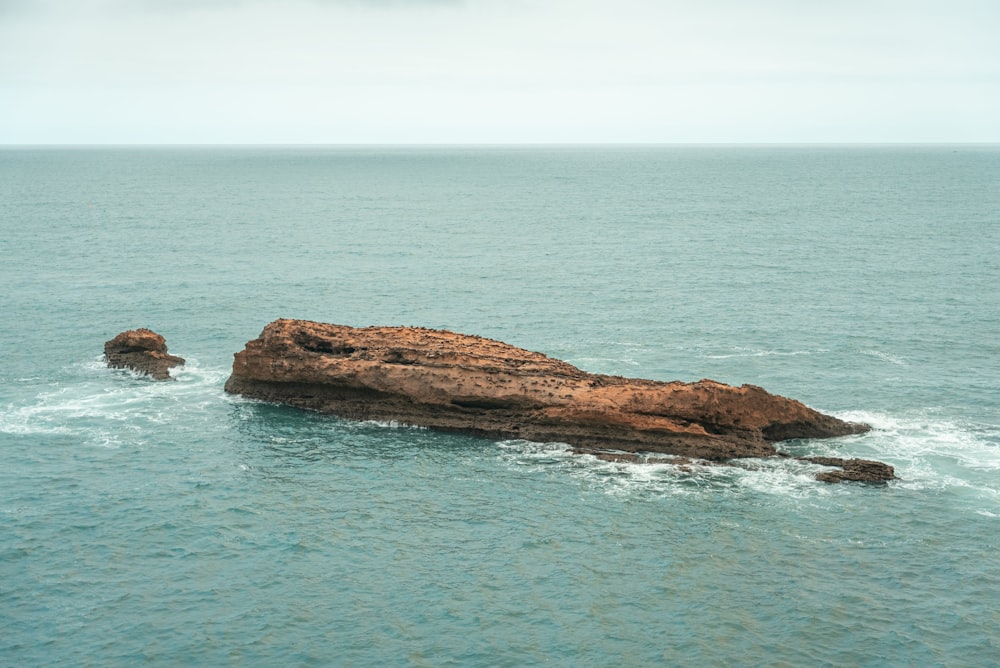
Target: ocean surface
167,523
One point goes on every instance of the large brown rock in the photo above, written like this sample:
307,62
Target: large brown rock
143,351
455,382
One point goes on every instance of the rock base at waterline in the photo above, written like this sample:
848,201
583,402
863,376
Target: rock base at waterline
141,350
856,470
456,382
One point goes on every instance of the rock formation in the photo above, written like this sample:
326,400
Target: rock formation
141,350
859,470
454,382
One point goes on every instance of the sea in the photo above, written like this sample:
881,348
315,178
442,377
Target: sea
168,523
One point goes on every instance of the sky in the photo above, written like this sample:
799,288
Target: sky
498,71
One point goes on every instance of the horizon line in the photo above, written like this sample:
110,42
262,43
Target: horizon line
529,144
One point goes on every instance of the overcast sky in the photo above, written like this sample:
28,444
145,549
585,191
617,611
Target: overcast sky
498,71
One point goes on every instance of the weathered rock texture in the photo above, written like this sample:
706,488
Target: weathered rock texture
455,382
141,350
859,470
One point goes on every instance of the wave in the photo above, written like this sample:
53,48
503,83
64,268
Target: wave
884,356
930,449
739,352
787,478
921,435
928,453
757,352
112,407
192,371
387,424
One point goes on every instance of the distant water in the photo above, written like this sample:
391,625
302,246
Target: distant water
168,523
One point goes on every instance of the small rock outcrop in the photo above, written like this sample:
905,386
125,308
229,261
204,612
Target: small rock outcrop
856,470
455,382
143,351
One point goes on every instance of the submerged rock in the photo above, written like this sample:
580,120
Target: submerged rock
857,470
456,382
143,351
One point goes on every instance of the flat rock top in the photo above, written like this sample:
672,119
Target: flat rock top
411,345
447,368
134,341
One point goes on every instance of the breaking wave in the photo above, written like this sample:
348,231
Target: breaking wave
113,407
927,453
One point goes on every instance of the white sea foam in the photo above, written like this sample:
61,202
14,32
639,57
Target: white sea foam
755,352
388,424
884,356
970,445
787,478
927,453
109,408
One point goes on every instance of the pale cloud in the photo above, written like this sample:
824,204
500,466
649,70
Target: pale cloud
10,7
494,70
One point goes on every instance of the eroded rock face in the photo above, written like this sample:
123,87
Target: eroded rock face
141,350
455,382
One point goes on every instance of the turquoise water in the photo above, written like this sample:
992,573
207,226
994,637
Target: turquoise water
172,524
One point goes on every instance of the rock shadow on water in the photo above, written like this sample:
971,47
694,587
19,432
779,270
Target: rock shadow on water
283,438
